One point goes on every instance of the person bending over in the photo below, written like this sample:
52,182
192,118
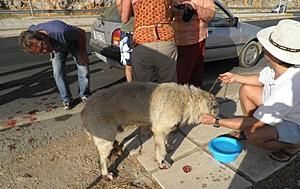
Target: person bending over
60,39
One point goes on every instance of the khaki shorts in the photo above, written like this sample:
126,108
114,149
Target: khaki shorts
155,62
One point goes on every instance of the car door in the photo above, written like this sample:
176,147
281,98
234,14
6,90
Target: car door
223,36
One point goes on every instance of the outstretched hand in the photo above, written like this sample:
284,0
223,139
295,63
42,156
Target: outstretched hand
207,119
227,77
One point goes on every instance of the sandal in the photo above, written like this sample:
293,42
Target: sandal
282,155
238,135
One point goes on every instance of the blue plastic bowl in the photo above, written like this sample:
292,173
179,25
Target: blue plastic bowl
225,149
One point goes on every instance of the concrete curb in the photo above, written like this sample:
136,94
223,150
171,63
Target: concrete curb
38,117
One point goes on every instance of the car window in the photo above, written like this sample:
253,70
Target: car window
221,19
110,14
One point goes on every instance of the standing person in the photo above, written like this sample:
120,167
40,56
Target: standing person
271,100
191,30
154,55
59,39
126,43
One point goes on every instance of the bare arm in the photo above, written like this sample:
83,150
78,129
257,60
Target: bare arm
229,77
207,12
126,11
237,123
119,6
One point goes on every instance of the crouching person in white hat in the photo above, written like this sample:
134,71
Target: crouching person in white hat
270,100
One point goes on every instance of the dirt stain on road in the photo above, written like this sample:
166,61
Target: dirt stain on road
63,118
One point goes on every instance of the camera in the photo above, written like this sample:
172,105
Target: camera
188,14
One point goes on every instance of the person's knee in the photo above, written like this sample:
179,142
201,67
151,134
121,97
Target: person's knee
83,72
245,90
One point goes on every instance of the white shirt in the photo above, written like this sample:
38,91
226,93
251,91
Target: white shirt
280,97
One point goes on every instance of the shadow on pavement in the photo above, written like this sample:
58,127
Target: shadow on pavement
39,84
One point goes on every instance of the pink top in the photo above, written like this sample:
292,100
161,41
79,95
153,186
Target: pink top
196,30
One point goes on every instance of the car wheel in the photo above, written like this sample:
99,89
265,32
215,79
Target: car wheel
249,55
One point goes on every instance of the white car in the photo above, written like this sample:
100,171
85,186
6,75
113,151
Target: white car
228,38
279,9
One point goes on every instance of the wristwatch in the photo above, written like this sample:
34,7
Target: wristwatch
217,122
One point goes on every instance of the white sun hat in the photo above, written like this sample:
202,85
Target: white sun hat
282,41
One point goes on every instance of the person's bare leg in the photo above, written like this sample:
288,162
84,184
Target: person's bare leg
128,73
267,137
250,98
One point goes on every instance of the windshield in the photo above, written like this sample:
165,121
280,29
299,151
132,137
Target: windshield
110,14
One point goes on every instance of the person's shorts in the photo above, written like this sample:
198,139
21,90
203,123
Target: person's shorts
126,45
288,132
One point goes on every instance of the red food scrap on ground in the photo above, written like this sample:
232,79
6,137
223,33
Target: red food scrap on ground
187,168
10,123
30,116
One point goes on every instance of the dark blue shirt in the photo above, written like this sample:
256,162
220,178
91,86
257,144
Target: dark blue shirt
63,37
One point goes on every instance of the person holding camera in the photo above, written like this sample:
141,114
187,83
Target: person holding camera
191,19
